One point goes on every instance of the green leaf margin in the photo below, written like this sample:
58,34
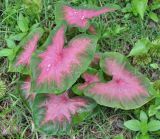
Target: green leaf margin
57,128
18,50
127,105
59,15
70,79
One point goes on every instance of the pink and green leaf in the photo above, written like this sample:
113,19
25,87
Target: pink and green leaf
58,67
77,17
55,114
128,88
89,77
24,52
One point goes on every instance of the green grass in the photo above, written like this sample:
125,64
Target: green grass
15,116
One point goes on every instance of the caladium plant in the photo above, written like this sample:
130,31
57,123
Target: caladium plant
54,114
128,88
78,17
24,52
67,78
58,67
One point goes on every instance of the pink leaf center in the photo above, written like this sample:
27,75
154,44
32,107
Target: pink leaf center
58,61
25,56
90,78
80,17
123,86
60,108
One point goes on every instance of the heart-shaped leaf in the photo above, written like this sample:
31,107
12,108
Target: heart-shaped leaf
54,114
58,67
128,88
24,52
77,17
25,56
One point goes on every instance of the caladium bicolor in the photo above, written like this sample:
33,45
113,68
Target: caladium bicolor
77,17
58,67
25,56
54,114
128,88
90,76
25,50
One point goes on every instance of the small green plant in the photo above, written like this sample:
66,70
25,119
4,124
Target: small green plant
33,6
156,85
142,46
154,109
25,32
155,49
143,126
141,7
143,59
144,51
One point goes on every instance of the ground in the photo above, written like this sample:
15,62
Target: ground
119,33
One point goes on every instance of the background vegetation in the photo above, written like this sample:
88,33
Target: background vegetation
129,28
